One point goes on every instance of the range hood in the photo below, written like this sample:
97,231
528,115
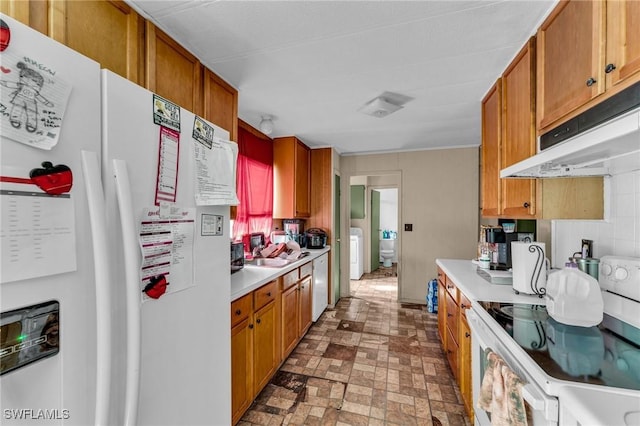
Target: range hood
603,141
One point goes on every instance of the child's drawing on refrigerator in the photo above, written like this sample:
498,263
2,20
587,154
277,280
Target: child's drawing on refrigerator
32,101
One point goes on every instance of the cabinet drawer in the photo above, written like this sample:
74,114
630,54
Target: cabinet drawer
306,269
289,279
441,276
264,295
241,308
451,288
464,304
452,317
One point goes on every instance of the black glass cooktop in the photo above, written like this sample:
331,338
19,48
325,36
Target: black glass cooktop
607,354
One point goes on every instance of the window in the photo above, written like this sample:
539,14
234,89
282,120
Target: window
254,185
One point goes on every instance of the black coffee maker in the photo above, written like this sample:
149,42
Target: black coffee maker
500,242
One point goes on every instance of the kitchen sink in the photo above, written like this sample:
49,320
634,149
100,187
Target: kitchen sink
268,262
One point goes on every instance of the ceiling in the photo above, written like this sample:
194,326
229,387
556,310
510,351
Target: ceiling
313,64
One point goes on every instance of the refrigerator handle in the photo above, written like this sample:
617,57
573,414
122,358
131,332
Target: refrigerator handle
132,294
98,221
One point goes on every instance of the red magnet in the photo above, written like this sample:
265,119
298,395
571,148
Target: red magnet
5,35
157,287
53,180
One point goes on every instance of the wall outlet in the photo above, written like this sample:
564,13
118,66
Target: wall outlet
408,227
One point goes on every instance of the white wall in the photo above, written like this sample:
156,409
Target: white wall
438,194
618,234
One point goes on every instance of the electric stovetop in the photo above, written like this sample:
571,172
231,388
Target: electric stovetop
607,354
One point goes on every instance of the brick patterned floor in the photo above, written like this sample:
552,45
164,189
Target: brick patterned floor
369,361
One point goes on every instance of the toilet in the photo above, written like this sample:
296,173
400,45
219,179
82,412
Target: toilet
387,251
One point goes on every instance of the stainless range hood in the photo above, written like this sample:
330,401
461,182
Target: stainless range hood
603,141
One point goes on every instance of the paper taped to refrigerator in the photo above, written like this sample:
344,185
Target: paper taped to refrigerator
215,172
33,99
167,242
38,230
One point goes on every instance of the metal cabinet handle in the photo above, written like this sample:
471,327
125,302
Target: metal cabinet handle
467,334
591,81
250,325
449,315
526,205
463,306
258,320
269,294
238,312
609,68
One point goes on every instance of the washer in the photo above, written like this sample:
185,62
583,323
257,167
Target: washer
356,267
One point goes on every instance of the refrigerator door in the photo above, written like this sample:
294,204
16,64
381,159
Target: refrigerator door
183,365
47,251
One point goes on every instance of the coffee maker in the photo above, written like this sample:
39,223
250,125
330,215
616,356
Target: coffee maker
499,246
294,230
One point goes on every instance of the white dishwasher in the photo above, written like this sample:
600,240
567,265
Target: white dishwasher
320,285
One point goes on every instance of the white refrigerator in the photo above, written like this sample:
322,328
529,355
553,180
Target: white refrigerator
82,343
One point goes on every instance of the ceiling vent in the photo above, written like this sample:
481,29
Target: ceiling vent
385,104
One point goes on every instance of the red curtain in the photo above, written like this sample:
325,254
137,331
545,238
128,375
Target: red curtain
254,185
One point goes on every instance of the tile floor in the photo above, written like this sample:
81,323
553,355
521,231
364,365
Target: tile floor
369,361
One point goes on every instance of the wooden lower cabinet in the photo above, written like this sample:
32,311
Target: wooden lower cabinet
464,379
266,325
455,335
306,305
289,323
241,357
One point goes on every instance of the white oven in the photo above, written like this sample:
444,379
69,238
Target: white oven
542,409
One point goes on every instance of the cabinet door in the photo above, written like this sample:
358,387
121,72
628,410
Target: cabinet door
289,325
442,312
241,377
302,204
570,59
452,317
490,151
265,350
453,354
518,132
109,32
306,305
172,72
465,366
623,41
221,103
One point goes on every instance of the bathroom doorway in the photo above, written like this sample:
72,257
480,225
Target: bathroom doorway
375,210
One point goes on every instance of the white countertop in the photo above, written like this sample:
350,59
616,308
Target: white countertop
464,276
252,277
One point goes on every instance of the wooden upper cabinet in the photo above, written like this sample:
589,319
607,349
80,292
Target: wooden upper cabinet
623,41
490,151
518,131
570,58
173,72
291,178
221,103
109,32
20,11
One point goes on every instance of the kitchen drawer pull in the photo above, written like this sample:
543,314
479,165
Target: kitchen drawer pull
609,68
250,325
526,205
463,306
591,81
467,334
269,294
449,315
258,320
238,312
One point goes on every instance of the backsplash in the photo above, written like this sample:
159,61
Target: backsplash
618,234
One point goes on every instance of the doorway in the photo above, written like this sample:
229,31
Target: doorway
379,223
